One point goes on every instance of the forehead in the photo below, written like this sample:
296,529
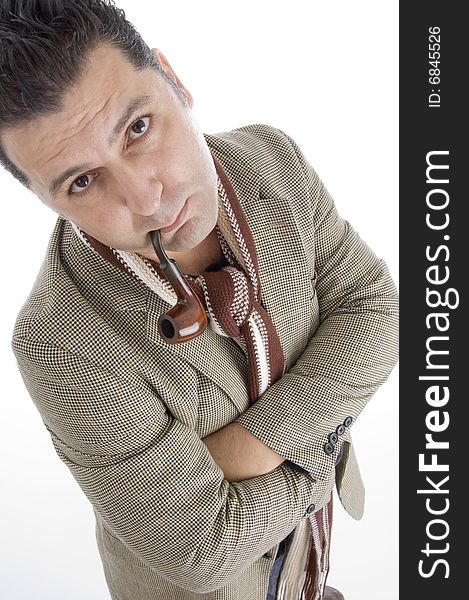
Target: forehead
107,73
107,85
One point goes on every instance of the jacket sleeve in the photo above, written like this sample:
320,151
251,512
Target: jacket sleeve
305,415
150,477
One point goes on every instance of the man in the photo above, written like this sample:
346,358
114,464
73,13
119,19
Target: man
209,464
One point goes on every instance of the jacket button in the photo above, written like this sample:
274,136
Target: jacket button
329,448
310,509
340,430
333,438
348,421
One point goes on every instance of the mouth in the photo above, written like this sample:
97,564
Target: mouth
177,222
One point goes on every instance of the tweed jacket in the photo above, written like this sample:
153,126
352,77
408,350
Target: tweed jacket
126,411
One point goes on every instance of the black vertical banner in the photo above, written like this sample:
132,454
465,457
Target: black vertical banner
434,239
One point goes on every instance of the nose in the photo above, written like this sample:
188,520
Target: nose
140,189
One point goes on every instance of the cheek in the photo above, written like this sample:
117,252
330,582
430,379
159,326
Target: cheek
101,223
114,221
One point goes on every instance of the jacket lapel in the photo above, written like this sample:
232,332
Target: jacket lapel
205,354
285,281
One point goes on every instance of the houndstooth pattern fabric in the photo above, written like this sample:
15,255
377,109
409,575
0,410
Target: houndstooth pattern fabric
126,412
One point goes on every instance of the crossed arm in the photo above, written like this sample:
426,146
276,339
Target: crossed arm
240,454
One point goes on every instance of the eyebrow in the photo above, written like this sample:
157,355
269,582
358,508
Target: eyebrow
133,106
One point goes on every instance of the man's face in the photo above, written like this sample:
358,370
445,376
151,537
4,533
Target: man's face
122,158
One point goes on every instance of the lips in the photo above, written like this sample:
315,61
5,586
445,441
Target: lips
178,221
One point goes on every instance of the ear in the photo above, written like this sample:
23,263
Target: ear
170,73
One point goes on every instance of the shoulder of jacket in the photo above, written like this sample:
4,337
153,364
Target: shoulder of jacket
252,135
43,291
258,139
267,151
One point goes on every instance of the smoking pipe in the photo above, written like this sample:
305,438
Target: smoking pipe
187,318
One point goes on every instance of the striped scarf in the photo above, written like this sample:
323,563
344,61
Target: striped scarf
232,299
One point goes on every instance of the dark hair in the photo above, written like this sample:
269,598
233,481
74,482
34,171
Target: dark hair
44,46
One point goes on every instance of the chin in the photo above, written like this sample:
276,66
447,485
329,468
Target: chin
187,237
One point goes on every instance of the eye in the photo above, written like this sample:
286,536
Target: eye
82,183
139,128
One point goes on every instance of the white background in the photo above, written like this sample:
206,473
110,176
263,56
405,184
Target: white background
324,72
